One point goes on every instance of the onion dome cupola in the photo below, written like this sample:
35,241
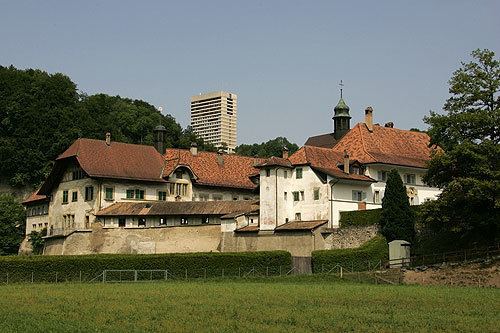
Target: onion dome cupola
341,117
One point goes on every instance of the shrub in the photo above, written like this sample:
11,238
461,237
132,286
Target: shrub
366,256
90,266
37,241
358,218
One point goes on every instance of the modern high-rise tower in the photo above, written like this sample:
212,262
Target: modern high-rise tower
214,118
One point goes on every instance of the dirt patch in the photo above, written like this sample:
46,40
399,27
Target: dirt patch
473,274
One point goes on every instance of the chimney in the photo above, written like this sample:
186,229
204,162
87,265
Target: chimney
108,139
285,152
369,118
389,124
346,162
220,157
194,149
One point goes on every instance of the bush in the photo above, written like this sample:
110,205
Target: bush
358,218
37,241
366,256
89,266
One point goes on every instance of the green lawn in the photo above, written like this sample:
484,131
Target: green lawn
278,305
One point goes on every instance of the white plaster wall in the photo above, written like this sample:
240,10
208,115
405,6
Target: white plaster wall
424,192
36,220
342,200
275,210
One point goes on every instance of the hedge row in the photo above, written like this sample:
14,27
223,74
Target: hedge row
86,267
365,257
358,218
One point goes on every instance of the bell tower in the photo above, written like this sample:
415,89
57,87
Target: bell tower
341,117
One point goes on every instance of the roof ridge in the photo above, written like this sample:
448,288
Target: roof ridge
214,153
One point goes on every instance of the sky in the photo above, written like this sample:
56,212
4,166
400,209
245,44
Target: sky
284,59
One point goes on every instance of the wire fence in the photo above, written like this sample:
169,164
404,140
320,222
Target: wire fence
128,275
362,271
449,257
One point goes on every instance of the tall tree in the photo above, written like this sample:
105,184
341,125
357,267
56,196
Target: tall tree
270,148
41,114
468,168
12,224
397,220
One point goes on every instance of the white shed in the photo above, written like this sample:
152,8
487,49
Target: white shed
399,253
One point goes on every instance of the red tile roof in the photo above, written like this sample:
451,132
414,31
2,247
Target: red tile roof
213,169
275,161
324,160
118,160
386,145
34,197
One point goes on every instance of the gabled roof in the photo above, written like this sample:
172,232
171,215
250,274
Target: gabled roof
324,160
322,140
166,208
34,197
214,169
386,145
275,161
117,160
317,156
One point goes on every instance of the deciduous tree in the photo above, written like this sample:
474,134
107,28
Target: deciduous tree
468,168
12,224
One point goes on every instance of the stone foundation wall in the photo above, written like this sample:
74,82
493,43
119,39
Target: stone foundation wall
299,244
351,237
138,240
206,238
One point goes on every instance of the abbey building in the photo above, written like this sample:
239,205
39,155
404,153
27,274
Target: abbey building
110,197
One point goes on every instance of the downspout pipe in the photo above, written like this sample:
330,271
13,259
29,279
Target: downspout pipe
276,197
332,183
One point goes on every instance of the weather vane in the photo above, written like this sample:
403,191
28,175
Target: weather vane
341,88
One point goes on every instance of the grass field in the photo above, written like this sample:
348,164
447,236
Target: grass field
278,305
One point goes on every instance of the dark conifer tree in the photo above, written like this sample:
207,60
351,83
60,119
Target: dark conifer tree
397,220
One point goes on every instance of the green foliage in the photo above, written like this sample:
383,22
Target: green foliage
397,220
473,110
358,218
468,169
41,114
359,259
270,148
12,224
176,263
37,241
